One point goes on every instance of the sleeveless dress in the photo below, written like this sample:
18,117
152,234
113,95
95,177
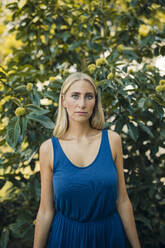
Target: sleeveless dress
85,200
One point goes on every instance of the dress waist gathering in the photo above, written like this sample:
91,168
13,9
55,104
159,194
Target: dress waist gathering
100,220
70,233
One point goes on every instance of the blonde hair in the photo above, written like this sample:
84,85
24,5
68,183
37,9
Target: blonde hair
96,120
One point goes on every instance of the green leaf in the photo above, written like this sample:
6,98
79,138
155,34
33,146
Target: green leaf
24,125
156,51
162,50
2,75
17,131
44,120
51,95
39,111
146,129
36,99
13,132
75,45
158,99
144,220
133,131
2,183
4,238
46,37
141,103
130,55
20,88
16,101
35,109
119,124
12,6
65,36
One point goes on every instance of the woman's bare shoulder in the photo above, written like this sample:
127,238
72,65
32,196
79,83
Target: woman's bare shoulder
46,151
115,142
45,145
114,135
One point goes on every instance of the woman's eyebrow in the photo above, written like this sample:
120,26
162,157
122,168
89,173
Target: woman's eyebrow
76,92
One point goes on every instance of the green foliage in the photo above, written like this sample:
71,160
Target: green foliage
57,35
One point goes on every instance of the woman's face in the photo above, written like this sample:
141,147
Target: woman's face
79,100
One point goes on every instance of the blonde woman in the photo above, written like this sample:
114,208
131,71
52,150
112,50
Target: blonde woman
84,202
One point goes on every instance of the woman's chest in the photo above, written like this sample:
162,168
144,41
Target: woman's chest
83,154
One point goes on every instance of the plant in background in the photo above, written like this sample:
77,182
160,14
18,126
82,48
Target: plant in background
104,39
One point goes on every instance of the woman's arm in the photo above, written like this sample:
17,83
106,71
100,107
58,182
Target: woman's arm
46,209
124,205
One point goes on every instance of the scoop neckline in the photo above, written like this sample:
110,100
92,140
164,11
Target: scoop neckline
82,167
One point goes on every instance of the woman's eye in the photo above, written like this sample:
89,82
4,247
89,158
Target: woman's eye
90,97
74,96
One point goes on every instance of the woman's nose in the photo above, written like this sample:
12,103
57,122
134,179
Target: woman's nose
82,101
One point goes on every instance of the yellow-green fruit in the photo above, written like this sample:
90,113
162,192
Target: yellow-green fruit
130,117
162,82
110,75
1,87
55,104
29,86
43,39
63,72
120,48
64,27
98,83
91,68
52,30
130,71
149,104
2,101
155,6
160,88
101,61
52,78
7,98
144,29
20,111
149,67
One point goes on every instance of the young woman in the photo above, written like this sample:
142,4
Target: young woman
84,202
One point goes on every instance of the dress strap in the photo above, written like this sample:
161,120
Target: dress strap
108,147
53,139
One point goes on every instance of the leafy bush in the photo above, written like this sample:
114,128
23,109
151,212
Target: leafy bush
105,39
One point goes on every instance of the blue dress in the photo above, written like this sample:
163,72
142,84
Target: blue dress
85,200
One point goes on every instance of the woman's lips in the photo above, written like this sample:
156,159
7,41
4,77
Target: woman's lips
81,112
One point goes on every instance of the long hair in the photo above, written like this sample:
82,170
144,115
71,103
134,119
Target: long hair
96,120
